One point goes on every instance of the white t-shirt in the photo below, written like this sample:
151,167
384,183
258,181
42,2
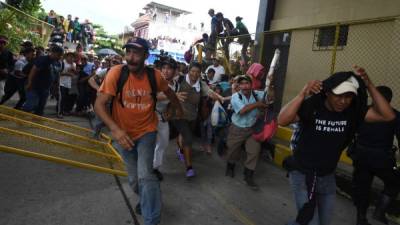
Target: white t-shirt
219,70
19,66
101,72
161,106
66,81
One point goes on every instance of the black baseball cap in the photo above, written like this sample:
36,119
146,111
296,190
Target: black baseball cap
57,49
137,42
171,62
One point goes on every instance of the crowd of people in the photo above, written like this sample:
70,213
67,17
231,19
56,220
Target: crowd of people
66,75
70,30
146,106
224,31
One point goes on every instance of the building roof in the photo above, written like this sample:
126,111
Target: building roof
141,21
152,5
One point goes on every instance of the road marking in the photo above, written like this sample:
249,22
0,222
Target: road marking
230,208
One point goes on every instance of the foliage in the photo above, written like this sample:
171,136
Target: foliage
104,40
27,6
18,26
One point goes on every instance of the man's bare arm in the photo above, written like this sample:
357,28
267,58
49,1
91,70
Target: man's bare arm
31,75
288,113
381,110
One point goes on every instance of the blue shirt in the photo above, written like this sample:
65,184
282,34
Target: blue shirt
248,119
88,68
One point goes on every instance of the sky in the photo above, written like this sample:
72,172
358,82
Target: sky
114,15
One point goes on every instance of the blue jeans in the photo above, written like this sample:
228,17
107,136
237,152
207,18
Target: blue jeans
325,193
36,101
139,164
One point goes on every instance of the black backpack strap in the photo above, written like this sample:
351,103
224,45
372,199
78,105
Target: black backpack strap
179,83
254,95
252,92
176,88
240,96
123,77
153,84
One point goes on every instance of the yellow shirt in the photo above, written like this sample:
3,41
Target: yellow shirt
66,26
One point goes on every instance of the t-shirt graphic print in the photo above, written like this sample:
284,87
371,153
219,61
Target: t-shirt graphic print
137,115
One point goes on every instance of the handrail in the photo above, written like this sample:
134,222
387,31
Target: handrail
17,151
25,14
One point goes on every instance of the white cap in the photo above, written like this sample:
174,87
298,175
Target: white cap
349,85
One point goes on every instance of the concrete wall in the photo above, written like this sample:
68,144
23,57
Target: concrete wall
374,46
291,14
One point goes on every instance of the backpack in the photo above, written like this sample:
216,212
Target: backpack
123,77
252,93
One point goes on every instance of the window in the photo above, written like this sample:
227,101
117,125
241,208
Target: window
324,38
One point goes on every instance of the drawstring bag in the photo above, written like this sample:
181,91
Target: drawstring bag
265,127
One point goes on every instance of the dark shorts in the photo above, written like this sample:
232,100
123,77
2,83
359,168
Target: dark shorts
185,129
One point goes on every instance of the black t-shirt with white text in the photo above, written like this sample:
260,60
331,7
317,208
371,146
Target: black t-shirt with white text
322,137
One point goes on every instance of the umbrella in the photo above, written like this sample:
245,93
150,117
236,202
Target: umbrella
106,51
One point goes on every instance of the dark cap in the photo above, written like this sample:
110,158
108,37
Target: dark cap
137,42
27,44
171,62
244,77
27,50
238,18
56,49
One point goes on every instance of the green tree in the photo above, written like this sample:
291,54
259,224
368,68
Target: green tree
20,26
27,6
104,40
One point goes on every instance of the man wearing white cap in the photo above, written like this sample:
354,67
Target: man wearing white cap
328,114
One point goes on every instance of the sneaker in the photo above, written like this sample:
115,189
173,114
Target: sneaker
190,173
181,157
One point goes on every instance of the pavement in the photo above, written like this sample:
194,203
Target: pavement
37,192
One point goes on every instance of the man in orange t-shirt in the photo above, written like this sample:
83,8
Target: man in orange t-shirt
133,124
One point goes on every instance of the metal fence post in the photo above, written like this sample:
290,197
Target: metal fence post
333,63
